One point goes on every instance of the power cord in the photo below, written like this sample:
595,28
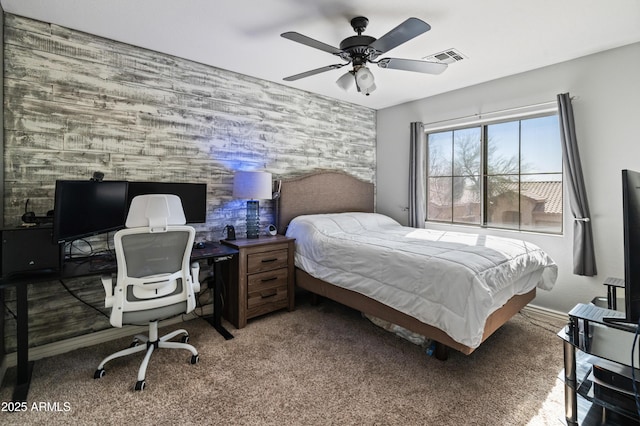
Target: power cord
79,299
82,252
91,252
15,317
541,324
633,369
203,293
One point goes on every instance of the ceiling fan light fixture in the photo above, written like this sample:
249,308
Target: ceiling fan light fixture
346,81
365,80
368,90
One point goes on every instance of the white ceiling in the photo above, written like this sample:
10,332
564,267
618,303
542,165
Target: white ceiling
498,37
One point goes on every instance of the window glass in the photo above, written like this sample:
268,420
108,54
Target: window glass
439,152
453,187
466,156
541,149
504,175
439,192
466,200
541,203
503,204
503,146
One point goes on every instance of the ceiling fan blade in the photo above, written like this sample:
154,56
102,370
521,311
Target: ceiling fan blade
314,72
404,32
412,65
308,41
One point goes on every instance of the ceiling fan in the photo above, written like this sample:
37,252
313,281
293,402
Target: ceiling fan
360,49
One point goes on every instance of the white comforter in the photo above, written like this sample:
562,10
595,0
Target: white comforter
449,280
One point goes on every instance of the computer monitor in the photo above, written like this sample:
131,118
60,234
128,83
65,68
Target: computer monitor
631,225
86,208
192,195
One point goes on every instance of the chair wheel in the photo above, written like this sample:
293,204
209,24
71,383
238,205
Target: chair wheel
185,339
195,359
140,385
135,343
99,373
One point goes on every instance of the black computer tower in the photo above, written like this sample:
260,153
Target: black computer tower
26,250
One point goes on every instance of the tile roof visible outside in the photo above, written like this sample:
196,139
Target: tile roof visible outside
548,191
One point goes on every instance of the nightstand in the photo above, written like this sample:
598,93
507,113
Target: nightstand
260,279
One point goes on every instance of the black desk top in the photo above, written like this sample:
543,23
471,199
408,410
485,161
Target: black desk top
103,264
212,251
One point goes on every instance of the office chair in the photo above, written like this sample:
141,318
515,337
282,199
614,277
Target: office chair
154,279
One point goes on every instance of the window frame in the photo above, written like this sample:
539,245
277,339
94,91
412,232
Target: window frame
483,125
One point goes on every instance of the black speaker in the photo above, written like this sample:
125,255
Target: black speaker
29,250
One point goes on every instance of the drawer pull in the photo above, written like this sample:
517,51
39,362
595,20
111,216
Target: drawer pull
269,260
264,280
265,295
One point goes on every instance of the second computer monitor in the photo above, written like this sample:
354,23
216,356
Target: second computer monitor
193,196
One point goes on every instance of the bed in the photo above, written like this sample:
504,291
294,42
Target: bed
331,215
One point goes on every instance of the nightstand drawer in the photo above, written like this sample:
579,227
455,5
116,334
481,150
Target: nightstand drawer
267,291
261,278
267,261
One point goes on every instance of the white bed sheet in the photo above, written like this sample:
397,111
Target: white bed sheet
450,280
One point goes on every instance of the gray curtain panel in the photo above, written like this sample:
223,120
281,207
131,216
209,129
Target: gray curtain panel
417,176
584,259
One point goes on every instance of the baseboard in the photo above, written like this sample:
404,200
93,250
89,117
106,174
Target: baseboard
545,314
102,336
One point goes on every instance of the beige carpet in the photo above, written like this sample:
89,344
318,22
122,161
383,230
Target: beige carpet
318,365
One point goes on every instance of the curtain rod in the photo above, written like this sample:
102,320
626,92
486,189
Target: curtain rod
552,105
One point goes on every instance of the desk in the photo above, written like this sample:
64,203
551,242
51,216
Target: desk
214,253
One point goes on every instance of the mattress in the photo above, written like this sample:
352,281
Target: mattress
449,280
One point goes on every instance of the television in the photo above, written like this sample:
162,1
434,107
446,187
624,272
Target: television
85,208
631,229
192,195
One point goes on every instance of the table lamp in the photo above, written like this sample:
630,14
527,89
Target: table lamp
252,186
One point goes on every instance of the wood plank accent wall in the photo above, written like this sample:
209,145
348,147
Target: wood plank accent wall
2,310
76,103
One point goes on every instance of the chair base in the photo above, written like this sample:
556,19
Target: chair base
152,342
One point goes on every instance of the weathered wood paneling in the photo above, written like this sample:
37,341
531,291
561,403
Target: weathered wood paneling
75,103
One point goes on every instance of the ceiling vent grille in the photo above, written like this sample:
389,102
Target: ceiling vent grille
448,56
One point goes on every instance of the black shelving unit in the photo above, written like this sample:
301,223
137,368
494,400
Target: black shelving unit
589,400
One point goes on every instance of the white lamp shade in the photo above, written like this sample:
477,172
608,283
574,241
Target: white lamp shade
369,89
364,79
252,185
345,82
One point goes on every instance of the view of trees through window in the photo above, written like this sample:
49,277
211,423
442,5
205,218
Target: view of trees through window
502,175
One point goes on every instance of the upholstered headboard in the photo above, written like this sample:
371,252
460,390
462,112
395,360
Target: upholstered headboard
322,192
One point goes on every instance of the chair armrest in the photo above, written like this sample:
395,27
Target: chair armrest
195,277
107,283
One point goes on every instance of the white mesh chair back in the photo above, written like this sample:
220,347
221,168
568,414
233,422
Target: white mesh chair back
153,253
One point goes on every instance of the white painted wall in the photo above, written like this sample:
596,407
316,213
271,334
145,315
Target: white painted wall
607,114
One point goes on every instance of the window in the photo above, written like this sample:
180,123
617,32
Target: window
500,175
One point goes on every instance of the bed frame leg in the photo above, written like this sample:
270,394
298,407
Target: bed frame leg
441,352
315,299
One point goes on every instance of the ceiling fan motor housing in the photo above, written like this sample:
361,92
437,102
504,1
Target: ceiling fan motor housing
357,48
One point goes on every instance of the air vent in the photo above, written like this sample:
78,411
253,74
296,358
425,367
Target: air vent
448,56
